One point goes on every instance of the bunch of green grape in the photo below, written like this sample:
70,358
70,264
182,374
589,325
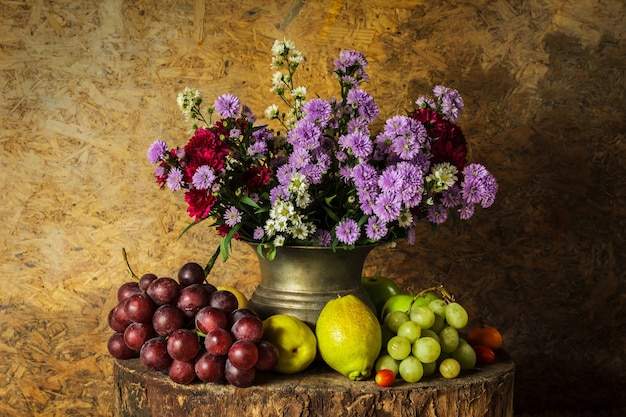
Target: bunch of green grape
425,339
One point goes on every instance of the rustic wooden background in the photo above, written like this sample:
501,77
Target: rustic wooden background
87,86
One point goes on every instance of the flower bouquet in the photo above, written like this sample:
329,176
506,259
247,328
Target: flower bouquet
316,174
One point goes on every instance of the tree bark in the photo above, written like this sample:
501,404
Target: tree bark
319,391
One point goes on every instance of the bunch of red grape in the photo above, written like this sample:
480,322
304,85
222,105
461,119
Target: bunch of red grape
189,329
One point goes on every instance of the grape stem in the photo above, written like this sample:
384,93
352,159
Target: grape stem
445,294
125,256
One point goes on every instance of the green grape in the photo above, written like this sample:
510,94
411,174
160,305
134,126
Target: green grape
430,333
464,353
439,324
456,315
429,368
420,301
386,362
449,368
398,347
395,319
426,349
432,296
423,316
411,369
410,330
438,307
449,339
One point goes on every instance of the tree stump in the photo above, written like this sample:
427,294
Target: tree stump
318,391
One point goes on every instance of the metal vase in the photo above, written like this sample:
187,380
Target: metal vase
302,279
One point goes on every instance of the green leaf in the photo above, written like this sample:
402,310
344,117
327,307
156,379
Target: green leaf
247,200
209,265
225,241
189,226
331,213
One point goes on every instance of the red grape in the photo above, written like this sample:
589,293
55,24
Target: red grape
117,347
127,289
145,281
243,354
154,355
209,318
248,328
118,320
166,319
136,334
191,299
183,345
139,308
191,273
163,290
209,288
268,355
210,368
218,341
241,378
235,315
182,372
224,300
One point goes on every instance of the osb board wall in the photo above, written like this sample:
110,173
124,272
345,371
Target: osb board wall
87,86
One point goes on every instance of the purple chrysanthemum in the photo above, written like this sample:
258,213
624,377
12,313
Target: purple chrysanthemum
364,103
317,110
258,233
157,151
387,207
227,105
232,216
466,211
347,231
451,102
352,63
203,178
357,143
257,148
299,158
175,179
437,214
306,135
451,197
322,237
375,228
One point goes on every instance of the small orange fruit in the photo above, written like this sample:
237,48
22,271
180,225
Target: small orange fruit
485,336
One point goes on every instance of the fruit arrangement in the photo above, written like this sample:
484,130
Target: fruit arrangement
422,336
193,330
189,329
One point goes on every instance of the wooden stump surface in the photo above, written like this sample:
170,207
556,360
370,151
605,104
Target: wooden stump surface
319,391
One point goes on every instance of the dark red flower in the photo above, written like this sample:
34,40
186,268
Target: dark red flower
224,229
199,203
449,144
256,177
205,148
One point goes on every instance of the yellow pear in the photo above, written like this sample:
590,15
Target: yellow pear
295,341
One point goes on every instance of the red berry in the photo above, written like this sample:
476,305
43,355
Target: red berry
484,355
385,378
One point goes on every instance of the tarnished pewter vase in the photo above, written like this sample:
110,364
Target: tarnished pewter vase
302,279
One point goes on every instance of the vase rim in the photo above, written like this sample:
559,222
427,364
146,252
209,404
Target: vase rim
368,245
